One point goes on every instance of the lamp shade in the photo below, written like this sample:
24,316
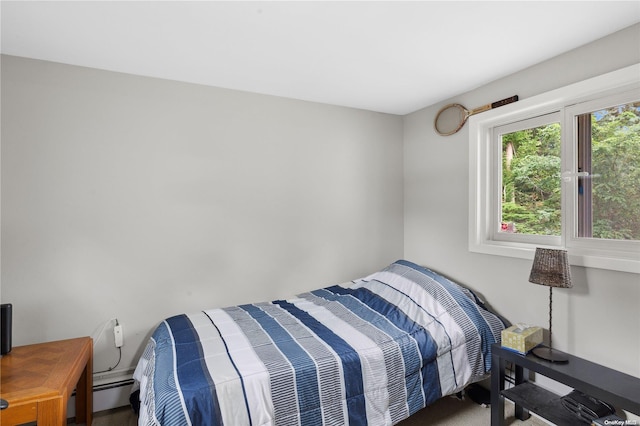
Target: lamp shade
551,268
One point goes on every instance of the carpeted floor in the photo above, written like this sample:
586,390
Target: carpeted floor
448,411
451,411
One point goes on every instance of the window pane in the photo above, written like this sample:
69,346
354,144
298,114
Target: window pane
531,181
609,151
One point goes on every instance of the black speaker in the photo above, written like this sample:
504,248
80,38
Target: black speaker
5,328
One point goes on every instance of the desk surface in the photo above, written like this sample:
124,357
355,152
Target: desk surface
593,379
45,371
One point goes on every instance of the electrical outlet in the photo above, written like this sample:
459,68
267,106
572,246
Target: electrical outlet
118,336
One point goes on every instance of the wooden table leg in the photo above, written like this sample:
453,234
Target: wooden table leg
52,412
84,393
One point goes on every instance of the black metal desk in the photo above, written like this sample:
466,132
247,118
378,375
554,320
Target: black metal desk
620,389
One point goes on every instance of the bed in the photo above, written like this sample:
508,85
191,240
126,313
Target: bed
372,351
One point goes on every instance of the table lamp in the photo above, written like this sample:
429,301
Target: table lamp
551,268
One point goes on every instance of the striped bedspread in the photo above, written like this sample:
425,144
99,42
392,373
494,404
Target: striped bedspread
370,352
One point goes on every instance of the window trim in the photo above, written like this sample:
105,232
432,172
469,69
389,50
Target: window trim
482,169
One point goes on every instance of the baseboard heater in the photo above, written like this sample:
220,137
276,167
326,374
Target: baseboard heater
112,385
106,386
109,392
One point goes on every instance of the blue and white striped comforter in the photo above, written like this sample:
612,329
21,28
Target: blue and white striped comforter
372,352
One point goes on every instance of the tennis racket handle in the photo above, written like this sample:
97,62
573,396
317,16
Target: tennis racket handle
504,101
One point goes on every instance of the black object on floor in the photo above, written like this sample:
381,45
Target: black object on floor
478,394
134,400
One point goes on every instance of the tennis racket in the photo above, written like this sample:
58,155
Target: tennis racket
452,117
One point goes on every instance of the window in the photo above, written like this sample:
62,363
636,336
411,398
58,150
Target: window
561,169
608,187
529,176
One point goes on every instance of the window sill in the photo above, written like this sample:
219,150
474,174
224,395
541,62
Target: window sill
621,262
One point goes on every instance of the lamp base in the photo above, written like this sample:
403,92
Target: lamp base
549,354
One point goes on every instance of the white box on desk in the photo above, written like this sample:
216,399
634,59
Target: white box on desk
521,339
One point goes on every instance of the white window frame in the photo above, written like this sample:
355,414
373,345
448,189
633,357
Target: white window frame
484,190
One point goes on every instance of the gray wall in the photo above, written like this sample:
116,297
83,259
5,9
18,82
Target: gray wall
598,318
139,198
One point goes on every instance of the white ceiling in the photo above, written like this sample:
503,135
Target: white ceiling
387,56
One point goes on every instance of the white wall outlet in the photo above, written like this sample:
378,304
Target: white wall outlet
118,336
